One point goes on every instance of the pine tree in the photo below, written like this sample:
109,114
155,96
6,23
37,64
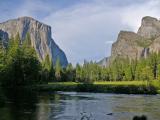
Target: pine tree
2,59
22,64
133,68
52,73
27,40
153,62
47,63
58,70
70,72
78,73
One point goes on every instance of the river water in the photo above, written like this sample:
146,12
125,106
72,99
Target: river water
77,106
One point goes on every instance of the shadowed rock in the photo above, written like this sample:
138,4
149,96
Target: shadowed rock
40,34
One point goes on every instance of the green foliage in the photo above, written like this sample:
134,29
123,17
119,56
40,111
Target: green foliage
127,87
70,72
121,69
78,72
47,63
58,70
20,65
27,41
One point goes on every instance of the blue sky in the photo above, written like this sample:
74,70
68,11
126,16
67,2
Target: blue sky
84,29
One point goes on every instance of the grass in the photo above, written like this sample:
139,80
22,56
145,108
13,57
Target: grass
63,83
126,87
103,83
121,83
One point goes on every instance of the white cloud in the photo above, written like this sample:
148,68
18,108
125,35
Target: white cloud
132,15
35,9
86,30
83,29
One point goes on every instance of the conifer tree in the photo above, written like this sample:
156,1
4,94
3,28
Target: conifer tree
58,70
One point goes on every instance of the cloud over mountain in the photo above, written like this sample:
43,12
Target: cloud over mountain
83,28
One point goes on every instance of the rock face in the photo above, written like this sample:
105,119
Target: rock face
150,27
137,45
40,35
127,45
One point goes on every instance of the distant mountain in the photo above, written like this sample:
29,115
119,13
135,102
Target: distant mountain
137,45
103,62
40,34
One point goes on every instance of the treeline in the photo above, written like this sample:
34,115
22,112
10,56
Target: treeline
137,69
19,65
119,70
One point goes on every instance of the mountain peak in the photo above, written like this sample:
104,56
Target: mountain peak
150,27
132,45
149,19
40,34
26,17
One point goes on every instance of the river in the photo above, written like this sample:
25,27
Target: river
76,106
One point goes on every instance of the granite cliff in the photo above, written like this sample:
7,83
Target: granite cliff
40,35
137,45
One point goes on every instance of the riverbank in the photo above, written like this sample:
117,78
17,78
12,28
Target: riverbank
122,87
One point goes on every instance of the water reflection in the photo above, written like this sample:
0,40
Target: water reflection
19,104
29,105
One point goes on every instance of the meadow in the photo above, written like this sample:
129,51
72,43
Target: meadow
124,87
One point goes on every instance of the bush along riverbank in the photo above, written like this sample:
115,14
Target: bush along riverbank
129,87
